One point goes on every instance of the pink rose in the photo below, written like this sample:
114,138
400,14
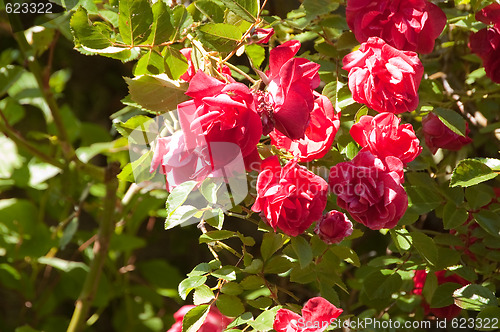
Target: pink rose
486,42
215,321
191,71
384,78
384,136
290,198
260,36
219,112
409,25
447,312
318,137
333,227
438,135
370,189
317,315
289,99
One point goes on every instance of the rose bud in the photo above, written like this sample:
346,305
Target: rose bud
333,227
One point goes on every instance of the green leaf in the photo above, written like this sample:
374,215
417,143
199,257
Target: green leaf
339,95
261,303
134,123
175,63
452,120
230,305
210,9
209,189
277,265
474,297
470,172
135,18
422,200
10,159
442,296
454,216
246,9
195,318
402,239
162,28
202,294
213,236
347,41
95,36
254,267
478,196
180,215
252,282
264,322
487,319
231,288
181,20
256,53
157,93
347,254
8,75
302,250
219,37
489,221
320,7
215,218
138,170
179,195
227,272
62,264
118,53
425,247
243,319
380,285
68,233
150,63
271,243
190,283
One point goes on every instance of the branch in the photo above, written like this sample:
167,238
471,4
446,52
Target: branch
101,246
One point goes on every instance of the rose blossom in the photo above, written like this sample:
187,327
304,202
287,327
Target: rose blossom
447,312
438,135
215,321
409,25
384,78
290,198
370,189
384,136
191,71
333,227
317,315
288,100
486,42
319,135
219,112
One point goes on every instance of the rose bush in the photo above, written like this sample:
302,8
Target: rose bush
383,77
409,25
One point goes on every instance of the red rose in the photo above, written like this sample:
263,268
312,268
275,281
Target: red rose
260,36
215,321
438,135
384,78
384,137
447,312
219,112
486,42
333,227
370,189
409,25
317,315
319,135
288,100
191,71
290,198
